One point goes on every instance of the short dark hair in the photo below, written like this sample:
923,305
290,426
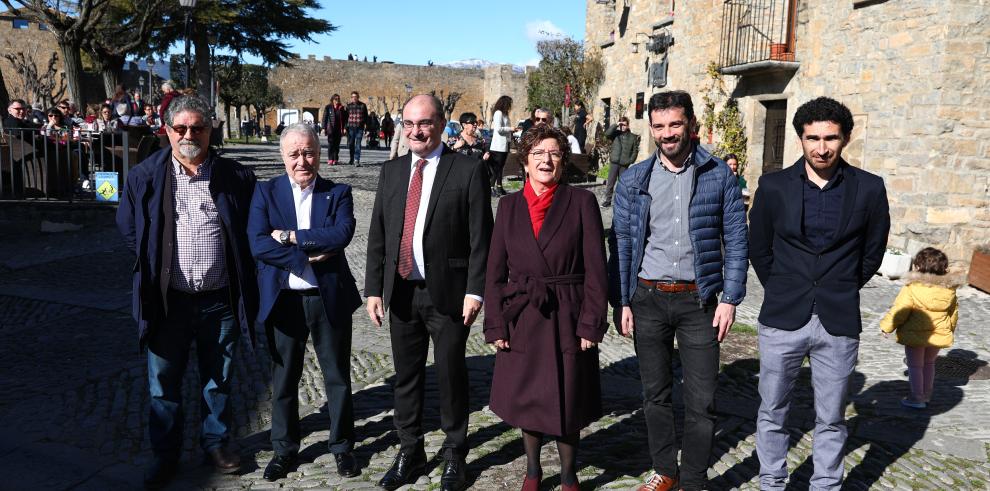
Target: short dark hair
16,101
661,101
468,118
931,261
730,156
823,109
354,92
533,136
623,119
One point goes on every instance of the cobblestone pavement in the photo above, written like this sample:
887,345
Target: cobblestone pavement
74,410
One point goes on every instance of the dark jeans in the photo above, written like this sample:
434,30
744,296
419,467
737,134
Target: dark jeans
294,318
414,322
333,142
354,136
659,317
614,171
496,165
207,319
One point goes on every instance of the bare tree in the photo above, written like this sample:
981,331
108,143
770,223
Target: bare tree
40,87
71,22
125,29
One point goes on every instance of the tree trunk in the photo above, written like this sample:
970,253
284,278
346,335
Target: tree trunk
202,57
237,110
226,115
111,69
73,70
4,95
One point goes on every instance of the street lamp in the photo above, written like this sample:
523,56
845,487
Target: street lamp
151,80
141,85
187,6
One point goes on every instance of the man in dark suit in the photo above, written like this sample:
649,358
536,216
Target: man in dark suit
427,253
299,226
184,214
818,231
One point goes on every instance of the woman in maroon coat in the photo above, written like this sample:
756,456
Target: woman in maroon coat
545,306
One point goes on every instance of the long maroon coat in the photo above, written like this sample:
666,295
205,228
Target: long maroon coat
543,296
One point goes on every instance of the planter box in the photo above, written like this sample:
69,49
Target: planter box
979,271
895,265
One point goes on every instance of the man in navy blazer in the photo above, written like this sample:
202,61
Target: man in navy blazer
298,226
818,231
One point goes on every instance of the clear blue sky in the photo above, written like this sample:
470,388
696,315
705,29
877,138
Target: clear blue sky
501,31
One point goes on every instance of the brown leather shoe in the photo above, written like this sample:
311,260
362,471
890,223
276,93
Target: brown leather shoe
224,460
659,482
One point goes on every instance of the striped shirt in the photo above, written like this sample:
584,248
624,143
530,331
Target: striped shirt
198,262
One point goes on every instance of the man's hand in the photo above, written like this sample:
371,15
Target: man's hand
627,321
275,235
376,310
471,309
587,345
318,258
502,344
725,315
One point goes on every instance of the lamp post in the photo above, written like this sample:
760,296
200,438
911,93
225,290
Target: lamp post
151,80
141,85
187,6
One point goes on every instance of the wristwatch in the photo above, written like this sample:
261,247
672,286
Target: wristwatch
283,237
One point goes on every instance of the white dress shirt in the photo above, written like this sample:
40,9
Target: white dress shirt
303,199
429,175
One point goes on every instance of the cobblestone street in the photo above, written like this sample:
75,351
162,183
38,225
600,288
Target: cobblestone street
74,409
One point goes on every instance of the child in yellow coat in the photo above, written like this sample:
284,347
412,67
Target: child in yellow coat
924,315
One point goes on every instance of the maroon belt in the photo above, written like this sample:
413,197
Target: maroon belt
670,286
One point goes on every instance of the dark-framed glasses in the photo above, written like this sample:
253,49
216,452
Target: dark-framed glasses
182,129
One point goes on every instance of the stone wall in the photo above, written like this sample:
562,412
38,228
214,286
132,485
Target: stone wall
310,82
914,73
33,42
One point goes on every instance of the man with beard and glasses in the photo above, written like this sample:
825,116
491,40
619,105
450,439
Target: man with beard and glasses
819,231
679,232
184,213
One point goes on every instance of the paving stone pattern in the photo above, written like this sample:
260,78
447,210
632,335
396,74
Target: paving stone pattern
75,404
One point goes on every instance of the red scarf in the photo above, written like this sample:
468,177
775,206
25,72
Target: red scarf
538,205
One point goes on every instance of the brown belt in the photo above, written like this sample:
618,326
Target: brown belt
670,286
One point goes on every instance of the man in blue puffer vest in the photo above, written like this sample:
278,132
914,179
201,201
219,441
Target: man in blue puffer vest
673,214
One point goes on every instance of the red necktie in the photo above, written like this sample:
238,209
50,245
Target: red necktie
409,222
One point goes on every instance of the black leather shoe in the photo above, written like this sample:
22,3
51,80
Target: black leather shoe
160,472
454,477
279,467
346,465
405,470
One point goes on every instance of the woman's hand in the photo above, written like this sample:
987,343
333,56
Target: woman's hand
458,144
485,156
587,345
502,344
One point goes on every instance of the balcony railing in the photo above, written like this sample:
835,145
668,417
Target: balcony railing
756,31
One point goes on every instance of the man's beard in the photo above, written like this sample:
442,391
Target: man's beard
682,144
189,149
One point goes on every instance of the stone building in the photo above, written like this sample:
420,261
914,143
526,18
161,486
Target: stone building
18,35
913,72
308,84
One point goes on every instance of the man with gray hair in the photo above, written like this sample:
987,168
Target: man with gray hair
184,213
168,89
299,225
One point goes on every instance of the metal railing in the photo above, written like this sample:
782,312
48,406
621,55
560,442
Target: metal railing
757,30
62,164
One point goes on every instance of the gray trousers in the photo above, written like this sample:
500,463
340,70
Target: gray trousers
833,359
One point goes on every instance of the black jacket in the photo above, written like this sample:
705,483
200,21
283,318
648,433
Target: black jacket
794,273
456,236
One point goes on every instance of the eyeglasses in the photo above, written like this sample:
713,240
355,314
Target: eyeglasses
53,115
545,120
475,123
541,154
424,124
181,129
17,108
